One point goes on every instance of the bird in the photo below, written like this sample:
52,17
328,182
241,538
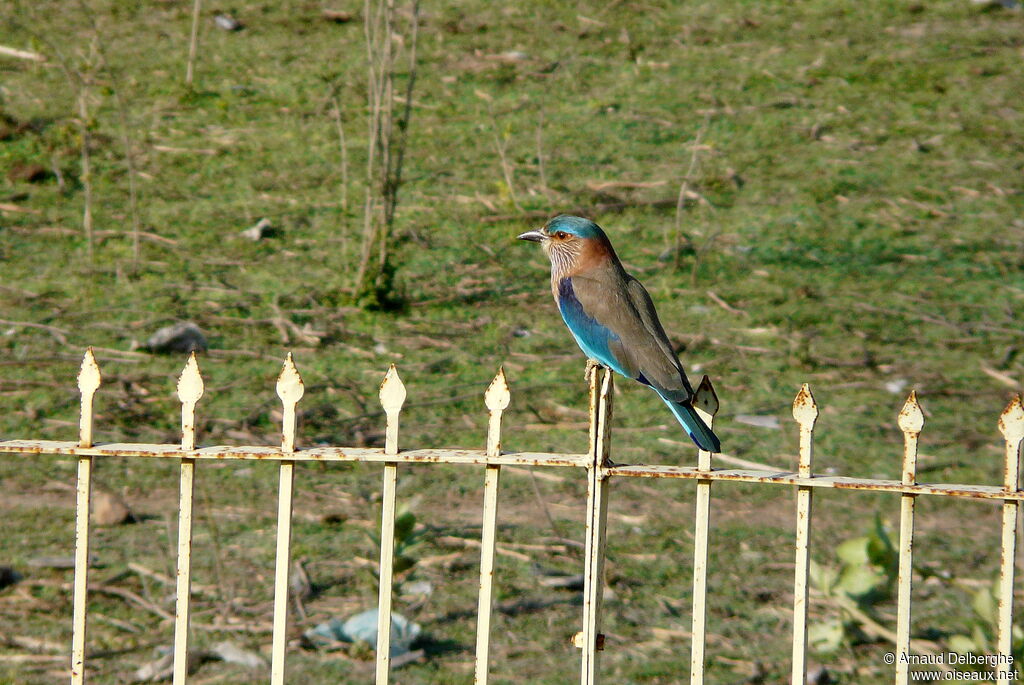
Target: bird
612,317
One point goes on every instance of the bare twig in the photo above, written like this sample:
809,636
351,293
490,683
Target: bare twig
877,630
386,143
723,304
60,230
501,145
8,207
59,334
679,236
133,598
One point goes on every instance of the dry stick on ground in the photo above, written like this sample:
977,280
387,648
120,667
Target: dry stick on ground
877,630
21,54
59,230
193,43
59,334
166,581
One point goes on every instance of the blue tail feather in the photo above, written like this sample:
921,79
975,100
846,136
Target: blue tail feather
698,431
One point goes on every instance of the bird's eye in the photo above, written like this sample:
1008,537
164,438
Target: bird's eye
561,235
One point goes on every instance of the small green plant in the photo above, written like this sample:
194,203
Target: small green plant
984,627
407,542
866,575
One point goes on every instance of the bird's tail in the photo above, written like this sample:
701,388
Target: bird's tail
695,426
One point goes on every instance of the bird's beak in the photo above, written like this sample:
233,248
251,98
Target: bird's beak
537,236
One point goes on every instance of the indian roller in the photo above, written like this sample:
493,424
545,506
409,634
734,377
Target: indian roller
612,317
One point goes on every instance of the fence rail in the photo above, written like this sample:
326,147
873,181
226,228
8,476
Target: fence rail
600,469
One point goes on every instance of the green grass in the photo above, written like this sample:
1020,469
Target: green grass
860,166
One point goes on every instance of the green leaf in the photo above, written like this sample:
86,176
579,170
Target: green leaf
963,644
822,577
854,551
984,605
981,638
403,563
827,636
880,549
859,582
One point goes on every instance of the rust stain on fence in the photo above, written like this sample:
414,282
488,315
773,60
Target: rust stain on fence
600,471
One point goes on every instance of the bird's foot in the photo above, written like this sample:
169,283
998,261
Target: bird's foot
592,366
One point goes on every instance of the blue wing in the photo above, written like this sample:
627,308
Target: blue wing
593,338
596,340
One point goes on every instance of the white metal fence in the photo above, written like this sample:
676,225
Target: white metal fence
599,469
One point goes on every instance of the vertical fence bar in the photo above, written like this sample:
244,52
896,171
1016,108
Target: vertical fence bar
1011,425
596,528
88,383
705,401
190,389
805,411
392,397
290,389
496,399
910,421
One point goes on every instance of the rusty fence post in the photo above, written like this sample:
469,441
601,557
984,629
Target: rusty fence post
290,390
496,399
392,397
591,640
88,382
190,390
805,411
705,401
1011,425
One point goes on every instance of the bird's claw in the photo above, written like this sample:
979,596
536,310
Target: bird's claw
592,366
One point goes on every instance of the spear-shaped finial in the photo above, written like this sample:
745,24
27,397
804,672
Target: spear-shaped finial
496,400
910,421
392,397
190,390
805,411
290,389
88,382
911,418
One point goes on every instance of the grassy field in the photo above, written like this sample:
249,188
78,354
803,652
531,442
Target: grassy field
855,222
